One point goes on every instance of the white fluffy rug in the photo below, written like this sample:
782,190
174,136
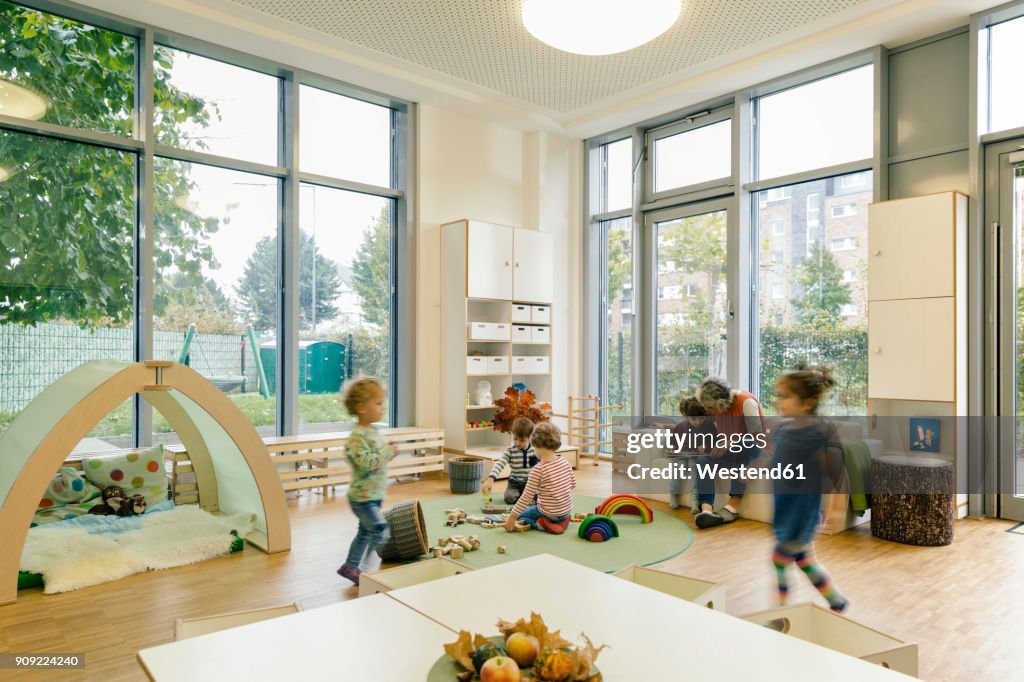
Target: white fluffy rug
70,559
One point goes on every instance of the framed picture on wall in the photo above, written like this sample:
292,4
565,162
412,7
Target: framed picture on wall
924,434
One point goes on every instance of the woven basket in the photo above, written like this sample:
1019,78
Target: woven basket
464,474
408,538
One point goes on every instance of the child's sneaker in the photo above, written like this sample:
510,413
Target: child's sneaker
706,519
728,516
349,572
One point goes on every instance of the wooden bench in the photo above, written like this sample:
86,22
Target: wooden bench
317,460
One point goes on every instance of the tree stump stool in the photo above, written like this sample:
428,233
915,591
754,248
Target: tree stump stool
912,500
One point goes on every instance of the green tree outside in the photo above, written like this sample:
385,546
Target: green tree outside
258,291
66,234
824,293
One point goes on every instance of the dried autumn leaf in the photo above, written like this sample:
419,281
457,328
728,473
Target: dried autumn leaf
583,658
462,649
517,404
537,628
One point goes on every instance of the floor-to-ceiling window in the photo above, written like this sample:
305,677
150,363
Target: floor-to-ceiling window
616,251
84,275
67,227
811,234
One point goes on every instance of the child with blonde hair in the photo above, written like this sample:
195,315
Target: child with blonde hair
546,502
369,457
810,443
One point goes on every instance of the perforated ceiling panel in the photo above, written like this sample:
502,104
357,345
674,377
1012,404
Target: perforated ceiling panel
484,42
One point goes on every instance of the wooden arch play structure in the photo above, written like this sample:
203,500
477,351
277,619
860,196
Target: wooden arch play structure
234,472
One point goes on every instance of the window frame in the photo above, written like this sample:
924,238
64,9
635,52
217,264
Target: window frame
700,119
401,193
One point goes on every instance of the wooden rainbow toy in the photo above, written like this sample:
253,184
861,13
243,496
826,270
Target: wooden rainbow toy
598,528
625,504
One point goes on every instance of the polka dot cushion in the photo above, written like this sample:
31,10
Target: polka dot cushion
68,487
137,473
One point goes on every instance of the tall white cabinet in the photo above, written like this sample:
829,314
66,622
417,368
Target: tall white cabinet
497,287
917,316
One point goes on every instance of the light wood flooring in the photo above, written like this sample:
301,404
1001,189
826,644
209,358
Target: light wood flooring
962,604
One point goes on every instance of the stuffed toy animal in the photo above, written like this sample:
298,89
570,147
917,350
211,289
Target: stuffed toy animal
115,502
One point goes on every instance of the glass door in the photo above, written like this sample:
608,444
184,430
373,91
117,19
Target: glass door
1004,210
688,301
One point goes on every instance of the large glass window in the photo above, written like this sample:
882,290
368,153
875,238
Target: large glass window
215,296
345,298
694,156
691,308
67,240
228,110
65,72
812,305
74,254
820,124
617,183
345,138
1006,54
617,305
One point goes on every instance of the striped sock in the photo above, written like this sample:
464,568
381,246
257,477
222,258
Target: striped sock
781,561
819,577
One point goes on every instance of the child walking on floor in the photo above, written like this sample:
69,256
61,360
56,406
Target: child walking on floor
808,443
369,457
546,502
520,457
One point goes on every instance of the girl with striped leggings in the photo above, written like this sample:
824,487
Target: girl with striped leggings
807,445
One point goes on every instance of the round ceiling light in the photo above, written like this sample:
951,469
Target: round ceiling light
20,102
598,27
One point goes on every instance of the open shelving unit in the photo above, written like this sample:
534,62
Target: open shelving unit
496,319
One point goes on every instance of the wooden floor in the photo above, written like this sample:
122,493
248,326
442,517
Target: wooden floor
962,604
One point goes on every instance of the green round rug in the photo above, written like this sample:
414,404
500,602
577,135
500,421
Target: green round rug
638,543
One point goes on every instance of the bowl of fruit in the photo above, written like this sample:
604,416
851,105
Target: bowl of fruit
524,651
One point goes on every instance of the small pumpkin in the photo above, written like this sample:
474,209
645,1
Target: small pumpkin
553,665
485,652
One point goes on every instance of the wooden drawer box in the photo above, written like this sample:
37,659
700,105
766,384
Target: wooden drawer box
703,592
409,575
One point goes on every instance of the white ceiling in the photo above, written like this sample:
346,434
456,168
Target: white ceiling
474,56
483,42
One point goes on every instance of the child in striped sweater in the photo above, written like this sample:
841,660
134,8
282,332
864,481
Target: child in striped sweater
546,502
520,457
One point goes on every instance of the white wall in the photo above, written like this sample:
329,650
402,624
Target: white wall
470,168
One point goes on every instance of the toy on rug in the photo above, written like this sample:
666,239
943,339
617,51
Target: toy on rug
486,521
598,528
502,549
456,545
488,507
456,517
522,527
625,504
116,503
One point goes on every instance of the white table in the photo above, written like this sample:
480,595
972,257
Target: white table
652,636
372,638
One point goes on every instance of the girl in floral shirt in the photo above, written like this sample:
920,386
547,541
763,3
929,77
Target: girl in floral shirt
369,457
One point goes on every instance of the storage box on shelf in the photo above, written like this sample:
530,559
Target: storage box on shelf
496,283
818,625
703,592
409,575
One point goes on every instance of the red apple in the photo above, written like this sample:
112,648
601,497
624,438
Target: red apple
522,648
499,669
